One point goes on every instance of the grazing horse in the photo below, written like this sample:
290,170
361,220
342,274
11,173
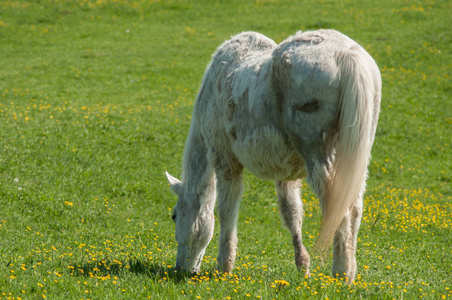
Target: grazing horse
307,107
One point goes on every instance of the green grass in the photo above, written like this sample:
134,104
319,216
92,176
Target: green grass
95,104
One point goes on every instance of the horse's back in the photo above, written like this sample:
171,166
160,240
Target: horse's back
231,71
240,46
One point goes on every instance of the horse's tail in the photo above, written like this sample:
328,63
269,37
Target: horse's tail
358,113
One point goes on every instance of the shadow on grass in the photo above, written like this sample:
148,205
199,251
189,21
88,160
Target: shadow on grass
154,270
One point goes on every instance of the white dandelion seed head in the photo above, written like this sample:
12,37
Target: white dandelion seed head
19,189
16,180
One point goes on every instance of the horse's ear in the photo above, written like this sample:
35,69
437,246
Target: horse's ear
175,184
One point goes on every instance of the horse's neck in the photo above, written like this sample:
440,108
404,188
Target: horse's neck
200,192
198,176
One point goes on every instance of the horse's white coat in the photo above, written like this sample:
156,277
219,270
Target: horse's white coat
308,106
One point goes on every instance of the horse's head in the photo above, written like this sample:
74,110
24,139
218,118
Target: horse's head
194,227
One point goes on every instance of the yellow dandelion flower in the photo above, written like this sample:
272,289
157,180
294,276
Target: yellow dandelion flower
281,282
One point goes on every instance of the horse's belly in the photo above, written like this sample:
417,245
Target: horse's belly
266,155
284,170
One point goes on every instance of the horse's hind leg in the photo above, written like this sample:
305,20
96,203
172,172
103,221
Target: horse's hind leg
229,194
344,252
291,209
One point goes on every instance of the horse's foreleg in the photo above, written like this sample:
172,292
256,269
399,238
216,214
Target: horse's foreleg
291,209
229,193
345,240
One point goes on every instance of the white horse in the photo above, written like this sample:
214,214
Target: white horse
306,107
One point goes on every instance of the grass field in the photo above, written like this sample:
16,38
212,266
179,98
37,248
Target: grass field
95,104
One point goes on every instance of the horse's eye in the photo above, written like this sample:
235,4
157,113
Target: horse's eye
174,217
308,107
